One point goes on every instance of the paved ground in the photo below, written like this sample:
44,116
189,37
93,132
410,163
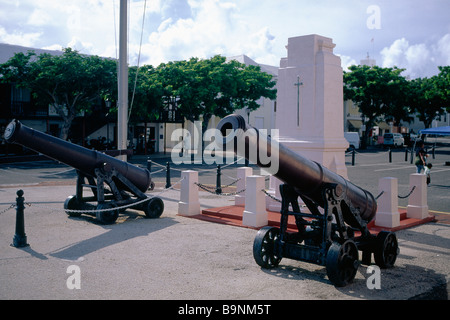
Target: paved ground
180,258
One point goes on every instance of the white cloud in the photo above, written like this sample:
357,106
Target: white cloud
347,61
180,29
80,46
39,17
19,38
419,60
443,50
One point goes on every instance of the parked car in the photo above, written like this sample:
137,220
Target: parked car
393,139
409,139
353,139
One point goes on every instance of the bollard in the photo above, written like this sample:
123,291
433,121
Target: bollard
20,238
433,152
387,212
412,155
406,154
218,182
242,174
168,184
255,214
417,202
353,156
189,204
390,155
149,165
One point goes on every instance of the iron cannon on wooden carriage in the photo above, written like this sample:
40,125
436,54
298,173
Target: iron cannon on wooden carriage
115,184
333,231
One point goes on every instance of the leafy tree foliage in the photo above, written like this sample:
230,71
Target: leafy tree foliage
70,82
203,88
380,94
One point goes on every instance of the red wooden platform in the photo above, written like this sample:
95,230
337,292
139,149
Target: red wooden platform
232,215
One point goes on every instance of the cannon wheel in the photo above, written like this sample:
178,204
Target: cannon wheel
107,217
264,247
342,263
154,208
386,249
72,204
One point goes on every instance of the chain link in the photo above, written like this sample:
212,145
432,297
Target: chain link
404,197
270,196
106,209
9,208
218,194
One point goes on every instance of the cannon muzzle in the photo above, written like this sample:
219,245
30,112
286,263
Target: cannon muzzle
78,157
307,177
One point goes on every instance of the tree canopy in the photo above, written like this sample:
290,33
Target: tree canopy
70,82
383,94
206,87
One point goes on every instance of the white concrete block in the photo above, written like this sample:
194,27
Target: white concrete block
242,174
255,214
189,204
417,202
387,212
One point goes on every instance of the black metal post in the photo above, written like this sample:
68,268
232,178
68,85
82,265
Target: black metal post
390,155
149,165
412,155
218,182
20,238
406,154
433,152
168,184
353,156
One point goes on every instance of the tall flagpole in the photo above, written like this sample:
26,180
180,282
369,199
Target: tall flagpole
122,125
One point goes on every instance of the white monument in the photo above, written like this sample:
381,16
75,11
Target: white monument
310,105
310,102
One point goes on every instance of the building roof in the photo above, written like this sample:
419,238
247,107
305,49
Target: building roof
7,51
248,61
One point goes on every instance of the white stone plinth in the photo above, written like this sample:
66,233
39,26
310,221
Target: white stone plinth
242,174
255,214
417,202
189,204
387,213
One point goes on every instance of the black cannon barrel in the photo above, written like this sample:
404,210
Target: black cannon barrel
306,176
78,157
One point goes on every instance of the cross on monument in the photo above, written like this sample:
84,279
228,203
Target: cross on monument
298,84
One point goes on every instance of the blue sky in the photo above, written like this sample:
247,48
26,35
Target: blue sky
410,34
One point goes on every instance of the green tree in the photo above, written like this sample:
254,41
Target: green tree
147,97
203,88
380,94
428,98
70,82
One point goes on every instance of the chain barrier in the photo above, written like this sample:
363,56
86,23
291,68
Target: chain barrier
381,193
404,197
101,210
9,208
372,155
271,196
38,175
206,188
400,197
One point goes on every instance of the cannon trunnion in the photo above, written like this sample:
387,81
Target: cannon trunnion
115,184
333,231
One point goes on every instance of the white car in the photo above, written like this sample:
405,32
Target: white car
353,139
393,139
